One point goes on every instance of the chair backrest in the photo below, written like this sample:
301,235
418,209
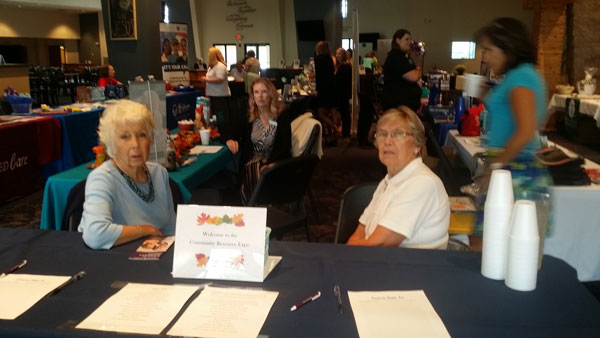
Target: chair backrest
313,143
434,149
284,181
354,201
306,136
74,209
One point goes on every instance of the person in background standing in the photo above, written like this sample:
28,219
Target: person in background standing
401,75
516,106
343,89
251,63
324,73
217,85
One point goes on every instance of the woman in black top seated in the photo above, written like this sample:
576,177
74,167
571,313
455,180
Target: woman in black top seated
401,75
266,138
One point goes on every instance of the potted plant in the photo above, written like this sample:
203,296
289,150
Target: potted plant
459,69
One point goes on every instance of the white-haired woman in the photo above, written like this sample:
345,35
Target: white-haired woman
126,198
410,207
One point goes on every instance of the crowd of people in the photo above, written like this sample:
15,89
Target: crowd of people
128,197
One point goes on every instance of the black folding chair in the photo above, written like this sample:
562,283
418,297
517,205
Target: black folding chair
74,209
354,201
284,183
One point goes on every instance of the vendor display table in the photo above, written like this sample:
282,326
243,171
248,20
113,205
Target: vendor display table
187,178
181,106
79,133
589,105
26,144
575,230
468,304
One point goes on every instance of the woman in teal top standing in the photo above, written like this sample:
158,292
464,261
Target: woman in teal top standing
516,106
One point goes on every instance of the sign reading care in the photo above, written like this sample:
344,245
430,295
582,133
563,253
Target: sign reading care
226,243
19,161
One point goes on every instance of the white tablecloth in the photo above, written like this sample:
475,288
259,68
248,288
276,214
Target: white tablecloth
575,234
588,105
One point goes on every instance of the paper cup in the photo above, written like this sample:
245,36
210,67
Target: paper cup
524,221
475,85
205,136
496,225
500,191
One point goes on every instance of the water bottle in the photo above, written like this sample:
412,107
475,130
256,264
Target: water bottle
483,126
171,156
451,112
460,108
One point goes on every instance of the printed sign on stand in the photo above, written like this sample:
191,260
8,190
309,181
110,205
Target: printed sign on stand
214,242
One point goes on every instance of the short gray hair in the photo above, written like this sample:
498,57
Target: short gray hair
119,112
412,119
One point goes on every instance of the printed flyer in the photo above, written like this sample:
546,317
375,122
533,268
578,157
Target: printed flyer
215,242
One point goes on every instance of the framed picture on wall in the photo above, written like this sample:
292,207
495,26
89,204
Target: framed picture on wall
122,19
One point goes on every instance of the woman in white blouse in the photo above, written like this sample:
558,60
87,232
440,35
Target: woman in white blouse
410,207
216,76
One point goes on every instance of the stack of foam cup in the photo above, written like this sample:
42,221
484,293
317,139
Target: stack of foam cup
523,244
496,224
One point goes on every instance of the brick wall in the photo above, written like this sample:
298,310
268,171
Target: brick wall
586,37
550,32
549,28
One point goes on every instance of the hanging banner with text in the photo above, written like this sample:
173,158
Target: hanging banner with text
174,53
226,243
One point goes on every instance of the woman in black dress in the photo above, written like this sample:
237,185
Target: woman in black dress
401,75
343,88
326,100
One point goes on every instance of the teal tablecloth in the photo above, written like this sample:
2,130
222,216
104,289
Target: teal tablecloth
188,178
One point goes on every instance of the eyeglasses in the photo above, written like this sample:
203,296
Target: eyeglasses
396,135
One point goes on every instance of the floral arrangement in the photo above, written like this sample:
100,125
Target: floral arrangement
101,156
460,69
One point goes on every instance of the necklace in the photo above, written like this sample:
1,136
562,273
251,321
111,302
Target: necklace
149,197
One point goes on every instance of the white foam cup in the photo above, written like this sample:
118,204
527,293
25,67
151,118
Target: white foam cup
205,136
523,248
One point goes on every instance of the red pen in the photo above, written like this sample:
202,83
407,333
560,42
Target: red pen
307,300
14,268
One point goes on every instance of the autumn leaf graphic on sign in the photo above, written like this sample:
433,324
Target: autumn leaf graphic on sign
204,218
237,220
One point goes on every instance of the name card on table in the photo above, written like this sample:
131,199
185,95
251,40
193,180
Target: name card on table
214,242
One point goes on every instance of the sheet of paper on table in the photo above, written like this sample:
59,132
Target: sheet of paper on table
139,308
19,292
225,312
395,314
205,150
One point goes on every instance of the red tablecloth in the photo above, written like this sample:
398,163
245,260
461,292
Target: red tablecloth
26,143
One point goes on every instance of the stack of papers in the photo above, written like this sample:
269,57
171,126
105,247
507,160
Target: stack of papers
205,150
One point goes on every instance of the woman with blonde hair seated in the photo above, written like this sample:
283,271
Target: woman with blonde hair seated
126,197
410,207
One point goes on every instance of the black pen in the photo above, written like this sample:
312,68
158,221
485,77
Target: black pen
74,278
305,301
14,268
338,296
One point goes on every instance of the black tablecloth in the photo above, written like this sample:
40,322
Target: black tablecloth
468,304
